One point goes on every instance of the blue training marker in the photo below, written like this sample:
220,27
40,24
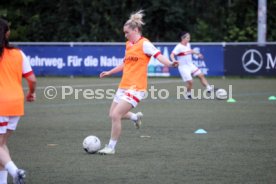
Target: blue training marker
200,131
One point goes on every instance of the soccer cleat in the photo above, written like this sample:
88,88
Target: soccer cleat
189,97
138,122
20,176
106,151
212,90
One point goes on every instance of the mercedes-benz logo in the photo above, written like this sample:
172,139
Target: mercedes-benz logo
252,61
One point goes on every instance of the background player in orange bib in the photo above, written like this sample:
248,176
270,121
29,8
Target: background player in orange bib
13,65
133,85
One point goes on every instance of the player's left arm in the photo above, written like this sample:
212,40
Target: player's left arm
198,54
151,50
29,75
165,61
31,79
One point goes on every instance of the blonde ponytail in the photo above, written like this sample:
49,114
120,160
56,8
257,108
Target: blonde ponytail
136,20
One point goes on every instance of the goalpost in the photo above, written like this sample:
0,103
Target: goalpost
262,22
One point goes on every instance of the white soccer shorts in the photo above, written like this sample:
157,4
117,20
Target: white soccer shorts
8,123
187,72
131,96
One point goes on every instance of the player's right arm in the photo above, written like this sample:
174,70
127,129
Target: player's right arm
117,69
174,53
172,56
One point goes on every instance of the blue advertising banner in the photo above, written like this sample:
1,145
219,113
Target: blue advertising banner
91,60
250,60
211,64
76,60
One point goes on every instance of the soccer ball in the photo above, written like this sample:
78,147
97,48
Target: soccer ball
91,144
221,94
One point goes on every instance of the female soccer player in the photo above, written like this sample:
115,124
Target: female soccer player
13,65
133,85
186,67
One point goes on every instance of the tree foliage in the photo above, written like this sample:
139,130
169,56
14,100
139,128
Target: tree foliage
102,21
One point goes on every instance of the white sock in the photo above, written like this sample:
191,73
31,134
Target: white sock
189,93
11,168
112,143
133,117
209,88
3,177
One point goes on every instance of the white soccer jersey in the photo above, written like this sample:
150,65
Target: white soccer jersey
149,48
183,54
26,64
186,67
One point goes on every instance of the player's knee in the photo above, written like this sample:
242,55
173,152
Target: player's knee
189,83
201,76
115,116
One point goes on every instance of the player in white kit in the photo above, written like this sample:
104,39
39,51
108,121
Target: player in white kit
183,54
